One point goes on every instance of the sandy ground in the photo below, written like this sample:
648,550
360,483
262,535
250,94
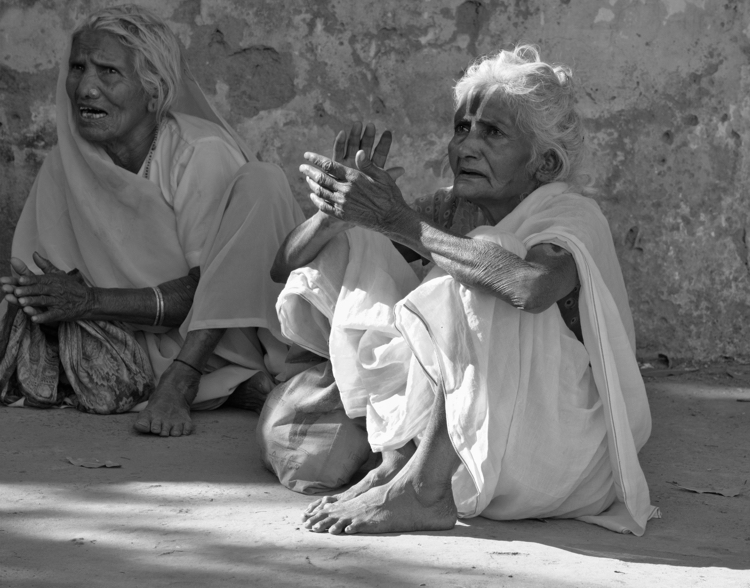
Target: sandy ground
202,511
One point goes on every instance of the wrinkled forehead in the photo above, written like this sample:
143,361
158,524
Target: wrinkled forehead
102,44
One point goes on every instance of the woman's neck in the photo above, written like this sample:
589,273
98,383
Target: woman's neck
131,153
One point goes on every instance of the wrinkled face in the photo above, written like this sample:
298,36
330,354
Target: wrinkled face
109,103
488,155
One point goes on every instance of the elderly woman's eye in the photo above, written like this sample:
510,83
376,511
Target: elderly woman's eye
462,127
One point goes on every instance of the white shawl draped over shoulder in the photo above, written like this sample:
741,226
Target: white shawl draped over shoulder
544,425
119,230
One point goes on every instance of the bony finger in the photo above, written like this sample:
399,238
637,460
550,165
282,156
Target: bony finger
34,301
324,164
368,139
353,142
20,267
310,171
380,155
46,265
339,146
44,317
30,290
317,188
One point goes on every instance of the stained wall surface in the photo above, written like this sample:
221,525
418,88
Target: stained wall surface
664,87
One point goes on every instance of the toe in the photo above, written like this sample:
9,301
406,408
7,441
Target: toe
351,529
338,527
155,426
315,518
142,424
313,505
177,430
188,428
323,525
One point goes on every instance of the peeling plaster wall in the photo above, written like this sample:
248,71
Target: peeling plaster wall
664,86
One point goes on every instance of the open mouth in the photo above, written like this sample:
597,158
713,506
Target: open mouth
90,113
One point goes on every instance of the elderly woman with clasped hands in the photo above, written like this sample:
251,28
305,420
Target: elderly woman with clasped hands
141,259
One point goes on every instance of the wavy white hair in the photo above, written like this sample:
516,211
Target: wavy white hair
543,99
155,48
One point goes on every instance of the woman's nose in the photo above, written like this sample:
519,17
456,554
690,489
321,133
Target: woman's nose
88,87
468,147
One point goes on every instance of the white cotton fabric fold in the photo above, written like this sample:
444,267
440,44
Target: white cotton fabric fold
544,426
124,230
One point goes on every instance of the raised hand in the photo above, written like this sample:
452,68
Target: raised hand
51,297
346,146
367,196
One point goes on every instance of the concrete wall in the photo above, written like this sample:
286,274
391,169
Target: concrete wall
664,86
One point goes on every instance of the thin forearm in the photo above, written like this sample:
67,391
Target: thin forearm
139,305
304,243
475,263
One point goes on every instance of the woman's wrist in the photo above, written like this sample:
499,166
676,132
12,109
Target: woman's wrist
402,225
92,303
331,225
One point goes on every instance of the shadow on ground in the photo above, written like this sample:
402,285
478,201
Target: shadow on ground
202,511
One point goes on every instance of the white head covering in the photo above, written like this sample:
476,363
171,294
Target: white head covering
85,212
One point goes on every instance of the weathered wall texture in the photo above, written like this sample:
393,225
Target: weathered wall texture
664,85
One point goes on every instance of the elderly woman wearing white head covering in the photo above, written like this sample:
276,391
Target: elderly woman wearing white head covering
147,191
505,384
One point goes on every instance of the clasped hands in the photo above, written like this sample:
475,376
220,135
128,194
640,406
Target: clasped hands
48,298
353,186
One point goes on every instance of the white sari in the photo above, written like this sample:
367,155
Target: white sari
120,230
544,426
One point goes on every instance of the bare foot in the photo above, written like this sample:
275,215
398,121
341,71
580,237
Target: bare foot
393,462
252,394
405,504
168,410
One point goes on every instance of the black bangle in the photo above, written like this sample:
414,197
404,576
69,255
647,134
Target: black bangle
187,364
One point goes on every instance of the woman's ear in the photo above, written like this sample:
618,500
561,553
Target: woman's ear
152,104
550,167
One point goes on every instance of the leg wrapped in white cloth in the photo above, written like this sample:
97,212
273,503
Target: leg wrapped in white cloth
544,425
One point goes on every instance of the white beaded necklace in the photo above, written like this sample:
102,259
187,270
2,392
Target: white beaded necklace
151,153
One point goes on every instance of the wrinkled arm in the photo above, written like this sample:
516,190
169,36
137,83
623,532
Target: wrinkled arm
139,305
533,284
57,296
304,243
369,198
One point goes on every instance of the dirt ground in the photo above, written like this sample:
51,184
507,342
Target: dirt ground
202,511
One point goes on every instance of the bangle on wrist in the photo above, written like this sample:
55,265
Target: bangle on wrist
159,320
187,364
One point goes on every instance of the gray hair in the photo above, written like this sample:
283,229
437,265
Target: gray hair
155,48
543,100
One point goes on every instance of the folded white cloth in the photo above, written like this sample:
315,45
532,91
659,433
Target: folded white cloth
544,425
